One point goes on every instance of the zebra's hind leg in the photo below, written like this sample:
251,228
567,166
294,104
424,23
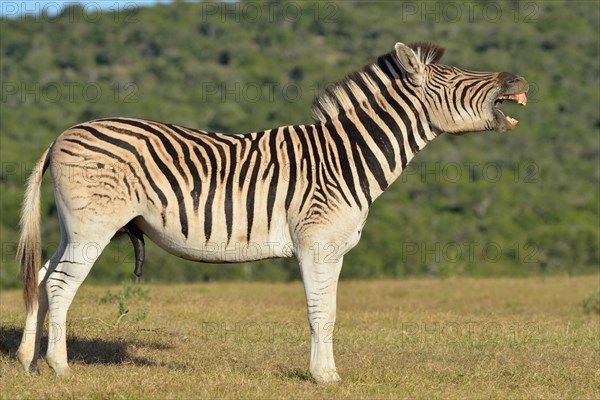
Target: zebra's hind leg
29,349
62,284
320,286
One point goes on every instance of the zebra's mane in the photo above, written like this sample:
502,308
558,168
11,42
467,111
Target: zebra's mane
364,83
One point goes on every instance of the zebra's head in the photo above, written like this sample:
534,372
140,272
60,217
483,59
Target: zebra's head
457,100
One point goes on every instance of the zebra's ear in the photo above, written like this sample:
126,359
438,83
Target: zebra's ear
410,63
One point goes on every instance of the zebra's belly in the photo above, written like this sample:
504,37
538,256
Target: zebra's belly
220,248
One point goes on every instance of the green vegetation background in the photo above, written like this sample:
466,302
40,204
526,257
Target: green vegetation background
521,203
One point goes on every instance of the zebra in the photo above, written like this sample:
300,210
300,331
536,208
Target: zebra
284,192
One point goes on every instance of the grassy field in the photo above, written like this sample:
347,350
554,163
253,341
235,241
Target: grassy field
414,338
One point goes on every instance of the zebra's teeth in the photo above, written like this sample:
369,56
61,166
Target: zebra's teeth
520,98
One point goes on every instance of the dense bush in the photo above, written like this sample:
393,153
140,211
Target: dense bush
520,203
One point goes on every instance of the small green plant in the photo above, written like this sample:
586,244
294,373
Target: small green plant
591,305
131,296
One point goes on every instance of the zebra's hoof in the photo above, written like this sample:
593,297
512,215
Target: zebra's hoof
61,369
34,370
63,372
29,365
326,376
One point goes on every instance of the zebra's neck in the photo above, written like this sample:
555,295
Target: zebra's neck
377,139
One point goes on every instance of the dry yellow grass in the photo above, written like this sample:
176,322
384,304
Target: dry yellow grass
414,338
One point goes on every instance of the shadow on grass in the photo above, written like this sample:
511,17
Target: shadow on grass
295,374
85,350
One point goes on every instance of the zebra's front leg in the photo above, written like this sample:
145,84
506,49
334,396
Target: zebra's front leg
29,349
320,286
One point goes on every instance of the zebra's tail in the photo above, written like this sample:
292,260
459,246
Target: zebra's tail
30,249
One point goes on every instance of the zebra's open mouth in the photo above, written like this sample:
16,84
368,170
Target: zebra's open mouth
507,122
